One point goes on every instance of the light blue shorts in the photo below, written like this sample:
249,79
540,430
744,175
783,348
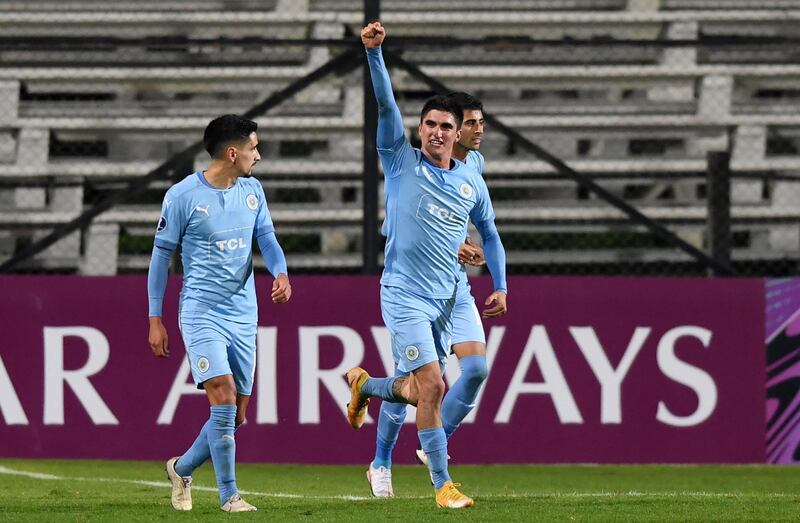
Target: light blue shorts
420,327
467,324
216,347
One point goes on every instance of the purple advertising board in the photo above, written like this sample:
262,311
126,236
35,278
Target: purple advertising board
607,370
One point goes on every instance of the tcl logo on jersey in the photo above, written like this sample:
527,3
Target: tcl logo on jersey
231,245
442,213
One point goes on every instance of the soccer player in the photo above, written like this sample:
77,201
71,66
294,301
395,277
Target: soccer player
429,199
215,215
468,340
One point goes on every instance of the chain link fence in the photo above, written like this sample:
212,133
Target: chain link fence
102,101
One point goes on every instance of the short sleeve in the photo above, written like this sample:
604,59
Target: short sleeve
395,158
483,211
171,223
263,223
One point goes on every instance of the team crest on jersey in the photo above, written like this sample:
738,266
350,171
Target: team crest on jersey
203,365
465,190
252,201
412,353
162,224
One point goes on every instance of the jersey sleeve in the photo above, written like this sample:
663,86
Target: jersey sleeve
171,223
263,225
482,212
482,216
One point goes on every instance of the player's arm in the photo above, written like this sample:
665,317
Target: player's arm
390,121
496,262
169,233
482,216
156,285
275,261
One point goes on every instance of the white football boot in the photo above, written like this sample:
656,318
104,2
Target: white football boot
380,481
181,487
236,504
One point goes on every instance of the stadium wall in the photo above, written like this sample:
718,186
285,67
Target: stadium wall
607,370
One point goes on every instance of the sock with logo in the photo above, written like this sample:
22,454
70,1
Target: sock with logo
460,399
223,449
434,443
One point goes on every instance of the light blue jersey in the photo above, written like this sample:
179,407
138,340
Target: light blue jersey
427,211
216,229
427,208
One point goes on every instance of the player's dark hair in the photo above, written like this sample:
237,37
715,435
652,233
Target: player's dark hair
226,129
466,101
442,103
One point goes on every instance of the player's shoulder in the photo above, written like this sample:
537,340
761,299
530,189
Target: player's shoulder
475,156
251,182
467,169
184,187
475,160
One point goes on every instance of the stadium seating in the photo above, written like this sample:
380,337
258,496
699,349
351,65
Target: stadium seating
78,122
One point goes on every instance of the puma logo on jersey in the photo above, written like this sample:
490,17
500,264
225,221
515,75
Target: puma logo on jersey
442,213
202,209
231,245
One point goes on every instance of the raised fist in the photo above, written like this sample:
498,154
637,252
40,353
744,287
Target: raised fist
372,35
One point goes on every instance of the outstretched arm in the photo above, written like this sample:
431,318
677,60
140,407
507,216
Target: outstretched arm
390,121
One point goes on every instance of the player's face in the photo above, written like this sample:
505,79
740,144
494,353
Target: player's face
247,155
472,130
438,132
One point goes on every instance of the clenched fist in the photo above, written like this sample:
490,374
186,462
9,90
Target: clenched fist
372,35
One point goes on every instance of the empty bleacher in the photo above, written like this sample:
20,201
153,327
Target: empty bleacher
77,122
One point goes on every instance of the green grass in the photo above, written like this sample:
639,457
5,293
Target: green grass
138,491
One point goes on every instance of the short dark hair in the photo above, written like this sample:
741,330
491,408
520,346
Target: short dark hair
466,101
226,129
442,103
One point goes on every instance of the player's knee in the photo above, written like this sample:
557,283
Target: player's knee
474,369
432,390
221,392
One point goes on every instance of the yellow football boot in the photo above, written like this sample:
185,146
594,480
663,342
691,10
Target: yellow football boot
450,497
357,408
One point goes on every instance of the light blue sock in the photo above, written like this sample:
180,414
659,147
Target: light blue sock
460,399
434,443
197,454
380,388
223,449
390,422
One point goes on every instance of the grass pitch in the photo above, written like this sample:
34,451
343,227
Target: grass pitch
55,490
